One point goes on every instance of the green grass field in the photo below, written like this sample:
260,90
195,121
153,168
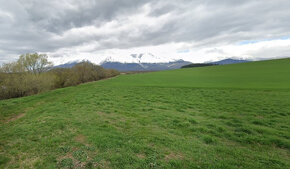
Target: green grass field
232,116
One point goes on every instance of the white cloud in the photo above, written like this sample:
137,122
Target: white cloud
196,31
171,51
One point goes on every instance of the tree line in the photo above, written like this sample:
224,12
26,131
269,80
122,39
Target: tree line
32,73
198,65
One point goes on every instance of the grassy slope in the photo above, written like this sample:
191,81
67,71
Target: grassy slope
274,74
213,117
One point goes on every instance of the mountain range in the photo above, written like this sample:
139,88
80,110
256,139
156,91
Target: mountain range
228,61
144,66
146,62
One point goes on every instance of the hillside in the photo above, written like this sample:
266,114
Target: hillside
229,116
272,74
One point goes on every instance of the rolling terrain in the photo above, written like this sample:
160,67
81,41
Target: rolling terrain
228,116
150,63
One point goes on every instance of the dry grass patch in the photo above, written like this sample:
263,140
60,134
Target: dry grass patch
104,164
173,156
141,156
16,117
81,139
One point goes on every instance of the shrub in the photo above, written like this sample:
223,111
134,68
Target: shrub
25,84
19,79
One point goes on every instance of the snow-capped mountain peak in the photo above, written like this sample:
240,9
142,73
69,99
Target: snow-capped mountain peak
138,58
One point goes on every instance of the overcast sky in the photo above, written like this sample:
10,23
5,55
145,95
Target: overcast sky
193,30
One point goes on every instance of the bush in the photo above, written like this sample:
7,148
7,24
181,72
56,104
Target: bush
25,84
81,73
18,82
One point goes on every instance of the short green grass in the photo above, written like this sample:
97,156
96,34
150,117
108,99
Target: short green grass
272,74
233,116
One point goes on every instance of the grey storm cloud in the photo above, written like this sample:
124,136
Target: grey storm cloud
47,26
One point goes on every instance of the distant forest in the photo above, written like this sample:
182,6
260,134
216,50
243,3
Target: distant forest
198,65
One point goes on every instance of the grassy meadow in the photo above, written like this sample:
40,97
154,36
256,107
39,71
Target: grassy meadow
231,116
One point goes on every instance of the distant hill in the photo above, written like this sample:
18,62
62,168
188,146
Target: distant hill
221,62
142,62
68,64
144,66
134,66
228,61
136,62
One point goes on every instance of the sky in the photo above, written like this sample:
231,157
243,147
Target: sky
192,30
